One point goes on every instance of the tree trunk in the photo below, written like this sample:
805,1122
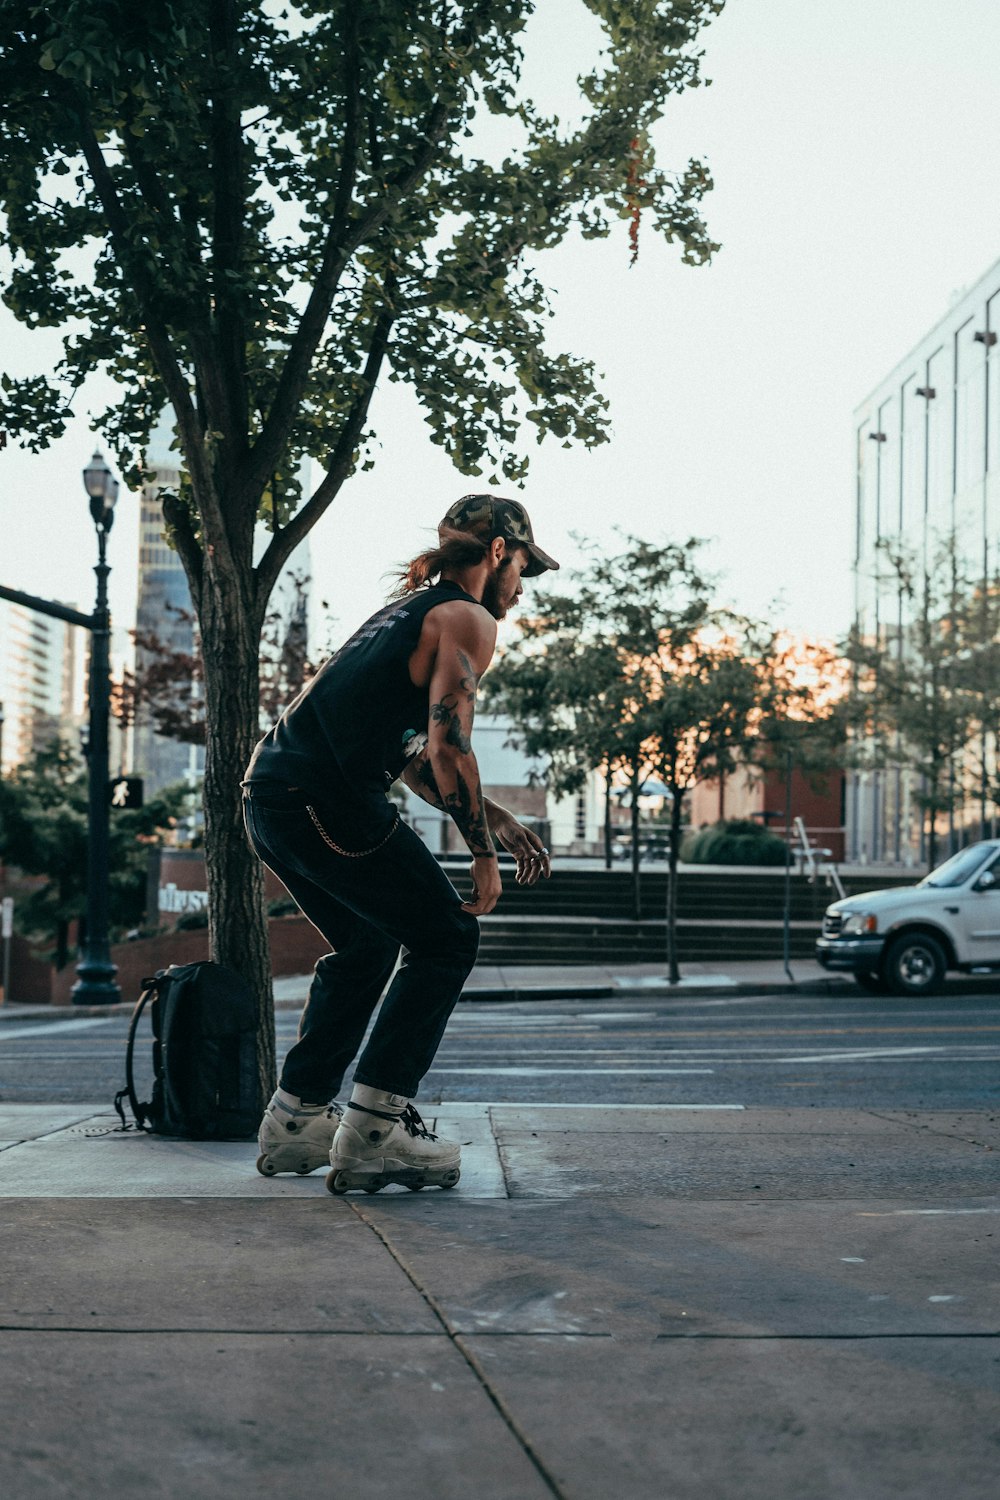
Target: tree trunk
932,812
62,943
607,816
237,925
636,876
673,968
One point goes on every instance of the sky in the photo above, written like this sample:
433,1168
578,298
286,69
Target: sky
852,147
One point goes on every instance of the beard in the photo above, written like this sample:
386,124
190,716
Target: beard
491,599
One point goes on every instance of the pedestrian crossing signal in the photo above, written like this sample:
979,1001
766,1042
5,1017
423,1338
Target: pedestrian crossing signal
125,791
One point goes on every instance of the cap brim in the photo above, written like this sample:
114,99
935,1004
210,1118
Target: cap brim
540,561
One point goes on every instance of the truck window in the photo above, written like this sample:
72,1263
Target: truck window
962,866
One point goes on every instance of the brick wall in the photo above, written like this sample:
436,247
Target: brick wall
295,947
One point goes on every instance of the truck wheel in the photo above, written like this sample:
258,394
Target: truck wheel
915,965
872,984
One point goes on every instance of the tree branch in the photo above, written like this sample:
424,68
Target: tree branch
339,248
192,432
157,337
176,515
284,542
226,136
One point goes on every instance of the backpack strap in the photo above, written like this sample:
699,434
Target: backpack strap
150,988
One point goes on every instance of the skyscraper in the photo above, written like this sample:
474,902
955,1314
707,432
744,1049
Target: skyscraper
39,689
164,612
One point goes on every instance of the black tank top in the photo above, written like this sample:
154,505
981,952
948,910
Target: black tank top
351,730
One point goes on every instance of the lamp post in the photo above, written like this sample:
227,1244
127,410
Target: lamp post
96,982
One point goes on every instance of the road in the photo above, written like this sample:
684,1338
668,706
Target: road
831,1051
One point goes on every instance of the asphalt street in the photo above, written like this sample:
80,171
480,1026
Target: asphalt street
832,1051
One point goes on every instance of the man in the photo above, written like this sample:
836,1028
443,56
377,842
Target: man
397,700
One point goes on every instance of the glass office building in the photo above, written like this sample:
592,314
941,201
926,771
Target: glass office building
928,484
40,695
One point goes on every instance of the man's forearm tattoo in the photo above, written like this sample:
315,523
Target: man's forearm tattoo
464,801
424,773
465,804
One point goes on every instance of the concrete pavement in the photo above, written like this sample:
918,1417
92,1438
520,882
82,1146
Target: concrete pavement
646,1303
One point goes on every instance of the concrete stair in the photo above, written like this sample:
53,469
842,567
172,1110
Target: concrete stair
586,915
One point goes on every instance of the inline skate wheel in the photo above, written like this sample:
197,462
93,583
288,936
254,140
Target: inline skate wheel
265,1166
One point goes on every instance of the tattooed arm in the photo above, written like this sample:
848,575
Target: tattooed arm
464,649
531,856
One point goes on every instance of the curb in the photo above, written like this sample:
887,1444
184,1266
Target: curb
647,991
492,995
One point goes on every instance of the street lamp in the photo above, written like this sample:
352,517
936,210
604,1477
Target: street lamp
96,982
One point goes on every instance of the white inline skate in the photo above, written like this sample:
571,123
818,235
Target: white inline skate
382,1139
296,1137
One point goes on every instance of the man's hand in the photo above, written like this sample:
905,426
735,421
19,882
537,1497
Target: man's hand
527,848
486,885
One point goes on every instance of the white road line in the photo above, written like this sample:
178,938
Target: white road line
862,1055
515,1023
929,1213
52,1028
547,1072
649,1108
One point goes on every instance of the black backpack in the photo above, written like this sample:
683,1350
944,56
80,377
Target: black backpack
204,1055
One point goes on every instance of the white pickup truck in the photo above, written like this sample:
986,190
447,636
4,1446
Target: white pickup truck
902,941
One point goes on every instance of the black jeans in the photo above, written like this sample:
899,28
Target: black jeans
367,906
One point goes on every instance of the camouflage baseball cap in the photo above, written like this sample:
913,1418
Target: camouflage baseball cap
501,517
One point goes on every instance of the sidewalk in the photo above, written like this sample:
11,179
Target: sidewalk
516,982
651,1303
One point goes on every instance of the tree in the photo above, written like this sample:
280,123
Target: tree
564,691
709,683
43,831
638,671
249,215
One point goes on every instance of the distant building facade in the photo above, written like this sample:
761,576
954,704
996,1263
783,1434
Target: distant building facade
164,611
927,474
39,683
763,797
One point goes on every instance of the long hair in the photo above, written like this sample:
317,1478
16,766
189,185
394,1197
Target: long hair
455,549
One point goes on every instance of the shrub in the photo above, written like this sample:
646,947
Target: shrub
736,841
192,919
282,906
